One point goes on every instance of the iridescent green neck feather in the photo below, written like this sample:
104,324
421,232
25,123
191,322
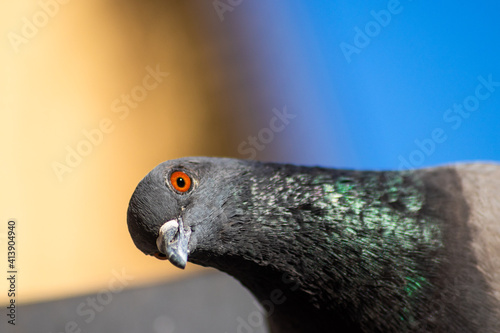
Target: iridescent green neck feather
366,249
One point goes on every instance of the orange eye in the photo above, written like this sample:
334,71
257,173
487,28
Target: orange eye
180,181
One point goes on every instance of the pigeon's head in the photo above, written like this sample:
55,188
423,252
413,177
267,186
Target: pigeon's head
179,206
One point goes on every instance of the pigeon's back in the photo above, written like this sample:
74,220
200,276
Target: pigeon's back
481,189
467,197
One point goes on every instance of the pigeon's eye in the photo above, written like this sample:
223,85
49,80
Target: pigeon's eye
180,181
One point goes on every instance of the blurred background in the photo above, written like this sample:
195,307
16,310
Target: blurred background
94,94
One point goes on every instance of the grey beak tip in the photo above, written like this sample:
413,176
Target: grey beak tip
177,261
173,242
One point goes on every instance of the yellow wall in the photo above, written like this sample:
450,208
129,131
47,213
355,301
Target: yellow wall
62,80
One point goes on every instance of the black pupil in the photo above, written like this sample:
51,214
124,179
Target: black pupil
181,182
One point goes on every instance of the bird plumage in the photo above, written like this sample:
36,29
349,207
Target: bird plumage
346,251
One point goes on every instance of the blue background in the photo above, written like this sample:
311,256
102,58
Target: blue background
367,113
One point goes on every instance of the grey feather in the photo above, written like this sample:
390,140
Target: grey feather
339,250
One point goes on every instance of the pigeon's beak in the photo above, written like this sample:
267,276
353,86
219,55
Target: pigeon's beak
172,242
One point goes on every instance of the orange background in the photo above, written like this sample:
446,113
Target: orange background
71,228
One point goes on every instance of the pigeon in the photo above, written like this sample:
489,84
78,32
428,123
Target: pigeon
331,250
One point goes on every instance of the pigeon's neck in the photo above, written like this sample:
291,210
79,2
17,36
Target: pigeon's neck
359,226
361,249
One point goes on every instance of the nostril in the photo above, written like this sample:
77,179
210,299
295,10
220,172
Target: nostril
159,255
